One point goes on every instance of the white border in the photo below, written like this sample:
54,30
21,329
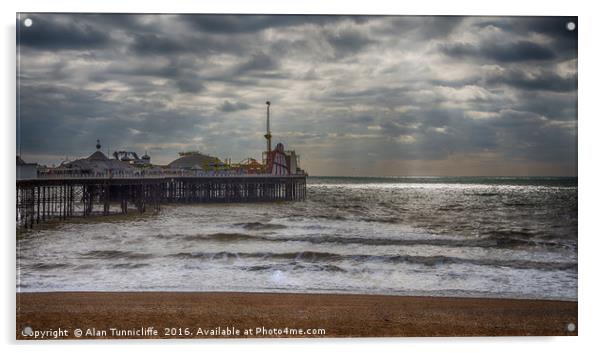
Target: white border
589,156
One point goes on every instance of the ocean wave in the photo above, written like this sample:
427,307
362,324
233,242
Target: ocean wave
519,204
220,237
381,219
327,258
47,266
332,217
524,238
486,194
295,267
260,226
494,239
129,266
222,255
114,254
454,207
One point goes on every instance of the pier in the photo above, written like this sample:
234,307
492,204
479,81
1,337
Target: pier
99,185
44,199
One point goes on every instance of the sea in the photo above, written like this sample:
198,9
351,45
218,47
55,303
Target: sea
502,237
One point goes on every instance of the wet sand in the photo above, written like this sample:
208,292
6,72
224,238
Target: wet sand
182,314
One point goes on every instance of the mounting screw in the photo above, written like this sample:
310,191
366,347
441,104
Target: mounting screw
27,331
571,26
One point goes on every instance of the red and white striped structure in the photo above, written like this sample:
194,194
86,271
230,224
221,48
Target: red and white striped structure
278,163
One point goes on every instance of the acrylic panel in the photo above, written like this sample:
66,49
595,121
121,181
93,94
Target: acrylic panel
269,176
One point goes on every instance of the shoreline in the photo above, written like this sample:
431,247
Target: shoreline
25,290
207,314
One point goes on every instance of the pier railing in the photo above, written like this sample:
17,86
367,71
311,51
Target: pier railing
157,176
58,198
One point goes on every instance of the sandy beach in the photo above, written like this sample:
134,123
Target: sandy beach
269,315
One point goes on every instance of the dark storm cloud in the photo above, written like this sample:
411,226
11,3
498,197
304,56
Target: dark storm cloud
181,73
564,41
70,127
348,42
556,106
235,24
232,24
358,90
442,132
508,52
163,44
227,106
62,35
158,44
421,27
560,42
190,84
259,62
544,81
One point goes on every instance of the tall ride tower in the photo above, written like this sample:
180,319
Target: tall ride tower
268,134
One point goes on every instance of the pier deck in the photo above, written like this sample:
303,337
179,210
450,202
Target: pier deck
43,199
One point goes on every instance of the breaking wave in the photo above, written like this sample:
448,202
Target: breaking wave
497,240
327,258
260,226
114,254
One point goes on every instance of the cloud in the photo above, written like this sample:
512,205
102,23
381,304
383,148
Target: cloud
236,24
507,52
353,89
259,62
553,28
348,41
233,107
545,80
65,33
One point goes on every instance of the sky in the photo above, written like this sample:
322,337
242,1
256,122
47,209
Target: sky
353,95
